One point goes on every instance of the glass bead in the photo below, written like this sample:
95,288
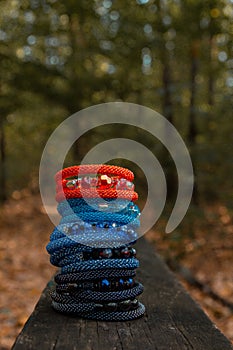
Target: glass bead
87,225
129,185
75,228
133,252
111,307
79,181
93,181
125,305
66,229
71,184
106,253
117,253
114,181
86,182
105,182
105,283
130,231
125,252
99,307
129,282
121,184
121,282
134,303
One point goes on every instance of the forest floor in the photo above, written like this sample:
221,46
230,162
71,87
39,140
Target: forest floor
25,267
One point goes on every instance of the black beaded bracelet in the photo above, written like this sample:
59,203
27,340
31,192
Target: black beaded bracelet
98,285
93,274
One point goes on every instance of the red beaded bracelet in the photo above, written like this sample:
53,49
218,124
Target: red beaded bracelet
101,182
93,169
111,182
90,193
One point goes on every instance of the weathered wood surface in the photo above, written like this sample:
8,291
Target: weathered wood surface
172,321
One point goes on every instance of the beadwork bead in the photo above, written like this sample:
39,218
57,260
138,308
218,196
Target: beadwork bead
133,252
111,307
106,253
94,181
86,182
105,182
105,283
121,184
99,307
71,184
75,228
129,282
129,185
124,305
121,282
125,252
134,303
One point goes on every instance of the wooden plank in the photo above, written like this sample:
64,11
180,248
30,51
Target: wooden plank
172,321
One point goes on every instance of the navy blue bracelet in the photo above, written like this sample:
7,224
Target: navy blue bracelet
130,263
66,256
104,284
96,296
92,275
101,312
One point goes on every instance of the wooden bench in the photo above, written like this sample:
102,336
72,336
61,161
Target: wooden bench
172,321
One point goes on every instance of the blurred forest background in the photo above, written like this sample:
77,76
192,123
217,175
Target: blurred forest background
175,56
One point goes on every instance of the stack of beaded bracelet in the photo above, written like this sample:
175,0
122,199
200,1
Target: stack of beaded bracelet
92,244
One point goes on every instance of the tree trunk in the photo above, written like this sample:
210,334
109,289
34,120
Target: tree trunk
192,131
211,74
2,163
167,100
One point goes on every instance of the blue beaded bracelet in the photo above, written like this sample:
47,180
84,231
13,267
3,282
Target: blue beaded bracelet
93,275
89,311
94,296
131,263
104,284
100,217
67,255
100,238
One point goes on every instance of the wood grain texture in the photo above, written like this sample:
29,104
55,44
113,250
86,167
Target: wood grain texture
172,320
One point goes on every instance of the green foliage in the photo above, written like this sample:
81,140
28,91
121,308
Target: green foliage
57,57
